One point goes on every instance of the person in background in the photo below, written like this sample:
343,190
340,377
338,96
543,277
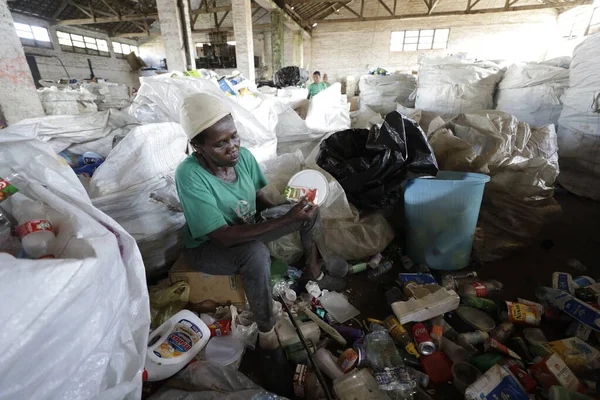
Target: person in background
229,218
317,85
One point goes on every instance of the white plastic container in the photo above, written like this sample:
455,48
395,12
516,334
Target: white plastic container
312,179
35,230
174,344
287,333
225,350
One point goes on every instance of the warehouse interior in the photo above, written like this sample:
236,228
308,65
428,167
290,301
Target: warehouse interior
300,199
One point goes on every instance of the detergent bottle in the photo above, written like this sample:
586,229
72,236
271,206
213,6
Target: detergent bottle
175,343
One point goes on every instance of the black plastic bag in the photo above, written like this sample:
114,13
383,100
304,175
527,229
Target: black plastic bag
371,165
290,76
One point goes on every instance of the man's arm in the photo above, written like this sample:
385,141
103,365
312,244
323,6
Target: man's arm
227,236
263,202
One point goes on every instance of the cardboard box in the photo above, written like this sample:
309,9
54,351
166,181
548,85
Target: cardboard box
219,288
353,103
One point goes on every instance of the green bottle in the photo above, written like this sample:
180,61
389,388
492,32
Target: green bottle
487,305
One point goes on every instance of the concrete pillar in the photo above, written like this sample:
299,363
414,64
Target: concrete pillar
277,32
244,41
19,99
297,55
191,45
172,32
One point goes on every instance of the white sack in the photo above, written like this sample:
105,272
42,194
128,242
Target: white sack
381,93
579,123
328,111
109,95
67,101
136,186
159,99
74,327
532,93
452,86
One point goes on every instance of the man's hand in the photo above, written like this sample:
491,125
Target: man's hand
299,213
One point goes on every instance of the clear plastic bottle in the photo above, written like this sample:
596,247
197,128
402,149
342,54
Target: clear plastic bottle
480,288
571,305
382,269
8,243
35,230
388,368
284,289
9,182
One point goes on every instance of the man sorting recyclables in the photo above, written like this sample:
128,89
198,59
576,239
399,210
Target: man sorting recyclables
229,219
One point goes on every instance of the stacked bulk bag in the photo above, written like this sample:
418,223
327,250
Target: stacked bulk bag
579,123
532,93
381,93
451,86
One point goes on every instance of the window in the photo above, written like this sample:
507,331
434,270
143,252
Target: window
595,21
82,44
122,49
33,36
425,39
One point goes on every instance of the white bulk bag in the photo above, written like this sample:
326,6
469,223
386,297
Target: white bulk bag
163,95
74,327
381,93
328,111
579,123
449,87
532,93
136,186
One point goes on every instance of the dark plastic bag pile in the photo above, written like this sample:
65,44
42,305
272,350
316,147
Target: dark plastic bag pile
371,165
290,76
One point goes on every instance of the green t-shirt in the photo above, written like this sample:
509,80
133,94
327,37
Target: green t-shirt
315,88
210,203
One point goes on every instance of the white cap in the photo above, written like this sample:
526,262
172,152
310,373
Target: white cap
200,111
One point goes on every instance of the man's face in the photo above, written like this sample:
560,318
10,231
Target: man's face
316,78
221,143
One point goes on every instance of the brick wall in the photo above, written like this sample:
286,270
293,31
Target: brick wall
342,49
114,69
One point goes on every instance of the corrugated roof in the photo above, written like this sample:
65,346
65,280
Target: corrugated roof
55,10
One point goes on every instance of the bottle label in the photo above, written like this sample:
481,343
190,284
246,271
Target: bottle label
6,189
390,377
480,289
522,314
184,336
34,225
437,330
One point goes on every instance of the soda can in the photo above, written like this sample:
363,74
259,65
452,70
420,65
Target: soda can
424,342
473,338
503,331
348,360
359,348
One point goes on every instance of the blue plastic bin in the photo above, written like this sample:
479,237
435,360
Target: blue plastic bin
441,215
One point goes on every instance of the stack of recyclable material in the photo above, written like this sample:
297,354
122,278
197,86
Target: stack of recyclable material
67,101
533,92
109,95
450,86
290,76
381,93
579,122
523,165
78,278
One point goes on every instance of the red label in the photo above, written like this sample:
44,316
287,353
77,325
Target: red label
35,225
420,333
437,330
480,289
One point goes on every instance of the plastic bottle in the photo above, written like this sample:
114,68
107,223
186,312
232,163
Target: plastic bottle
175,343
400,335
437,331
35,230
382,269
375,260
8,243
356,268
480,288
481,303
327,364
454,351
9,185
284,289
313,289
387,365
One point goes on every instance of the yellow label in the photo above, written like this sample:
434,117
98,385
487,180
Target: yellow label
184,336
522,314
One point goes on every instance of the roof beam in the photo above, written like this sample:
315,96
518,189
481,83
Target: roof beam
433,6
351,10
222,19
386,7
134,34
230,29
105,20
458,12
213,10
60,9
270,5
